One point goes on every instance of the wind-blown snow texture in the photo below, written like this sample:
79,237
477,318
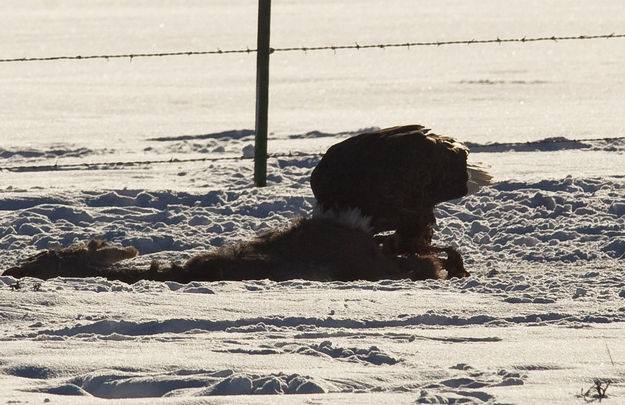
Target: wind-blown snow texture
546,294
541,316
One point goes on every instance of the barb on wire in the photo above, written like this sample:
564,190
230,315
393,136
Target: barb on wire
334,48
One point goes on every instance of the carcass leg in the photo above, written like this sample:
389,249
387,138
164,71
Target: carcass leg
421,245
454,263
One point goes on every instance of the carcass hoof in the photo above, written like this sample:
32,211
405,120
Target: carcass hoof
454,264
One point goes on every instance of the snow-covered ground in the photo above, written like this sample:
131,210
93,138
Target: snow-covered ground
540,318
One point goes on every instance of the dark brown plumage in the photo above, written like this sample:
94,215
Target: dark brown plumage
395,176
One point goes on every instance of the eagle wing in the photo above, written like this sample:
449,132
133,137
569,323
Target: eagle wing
394,175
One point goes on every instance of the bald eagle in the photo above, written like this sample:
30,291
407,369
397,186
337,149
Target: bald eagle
395,177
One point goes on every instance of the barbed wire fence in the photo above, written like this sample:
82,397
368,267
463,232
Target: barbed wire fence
356,46
292,154
334,48
119,165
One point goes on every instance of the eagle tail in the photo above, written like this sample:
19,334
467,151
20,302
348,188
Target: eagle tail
478,178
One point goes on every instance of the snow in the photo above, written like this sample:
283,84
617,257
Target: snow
541,316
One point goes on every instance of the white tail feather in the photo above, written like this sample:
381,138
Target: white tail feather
478,177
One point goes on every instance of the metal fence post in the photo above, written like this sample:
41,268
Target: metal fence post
262,93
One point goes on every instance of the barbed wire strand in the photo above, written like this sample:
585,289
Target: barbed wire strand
116,165
92,166
334,48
